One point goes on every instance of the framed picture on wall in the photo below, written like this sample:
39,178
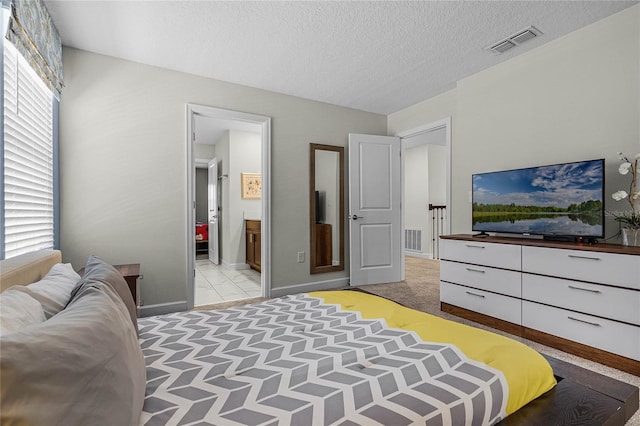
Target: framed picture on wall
251,185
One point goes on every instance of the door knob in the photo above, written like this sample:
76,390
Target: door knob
355,217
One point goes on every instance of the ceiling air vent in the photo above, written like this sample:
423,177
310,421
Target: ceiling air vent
514,40
503,46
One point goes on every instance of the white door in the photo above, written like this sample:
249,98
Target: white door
213,211
374,209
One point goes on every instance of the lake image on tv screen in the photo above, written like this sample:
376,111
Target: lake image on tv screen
563,199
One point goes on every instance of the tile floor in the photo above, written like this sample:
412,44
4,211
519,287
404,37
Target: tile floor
216,284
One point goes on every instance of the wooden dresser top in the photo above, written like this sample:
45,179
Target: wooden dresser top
599,247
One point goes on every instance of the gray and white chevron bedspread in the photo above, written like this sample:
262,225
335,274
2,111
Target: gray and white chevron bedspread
298,361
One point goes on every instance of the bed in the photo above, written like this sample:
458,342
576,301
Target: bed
335,357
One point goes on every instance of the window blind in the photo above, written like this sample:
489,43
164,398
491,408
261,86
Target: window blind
28,158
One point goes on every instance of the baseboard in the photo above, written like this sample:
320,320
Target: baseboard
162,308
234,266
307,287
416,254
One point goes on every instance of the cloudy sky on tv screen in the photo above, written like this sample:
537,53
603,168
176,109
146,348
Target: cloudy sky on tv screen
553,186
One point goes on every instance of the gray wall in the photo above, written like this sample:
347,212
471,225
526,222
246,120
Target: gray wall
575,98
123,161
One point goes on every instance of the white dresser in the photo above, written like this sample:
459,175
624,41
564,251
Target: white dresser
582,299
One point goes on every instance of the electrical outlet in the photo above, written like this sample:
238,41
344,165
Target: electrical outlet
300,257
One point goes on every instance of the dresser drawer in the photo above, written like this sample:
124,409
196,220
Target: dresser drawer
491,304
607,268
609,302
482,277
608,335
505,256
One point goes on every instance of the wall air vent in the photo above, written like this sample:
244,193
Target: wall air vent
514,40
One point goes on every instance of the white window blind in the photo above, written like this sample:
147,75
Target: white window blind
28,158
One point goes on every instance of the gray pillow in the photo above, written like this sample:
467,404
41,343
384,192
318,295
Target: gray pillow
83,366
98,270
54,290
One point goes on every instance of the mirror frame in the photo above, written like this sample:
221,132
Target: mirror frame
313,268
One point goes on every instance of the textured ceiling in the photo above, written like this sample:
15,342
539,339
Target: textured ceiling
377,56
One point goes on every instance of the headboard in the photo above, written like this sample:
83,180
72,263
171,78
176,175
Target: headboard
27,268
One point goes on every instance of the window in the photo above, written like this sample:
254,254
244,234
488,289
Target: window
28,170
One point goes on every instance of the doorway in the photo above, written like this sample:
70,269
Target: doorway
376,166
214,132
426,160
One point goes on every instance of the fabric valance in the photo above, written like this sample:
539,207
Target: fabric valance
32,31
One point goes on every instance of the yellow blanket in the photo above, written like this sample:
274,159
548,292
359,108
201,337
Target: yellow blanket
527,373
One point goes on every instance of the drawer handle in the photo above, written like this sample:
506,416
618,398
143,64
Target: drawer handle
475,294
575,256
595,324
584,289
475,270
474,246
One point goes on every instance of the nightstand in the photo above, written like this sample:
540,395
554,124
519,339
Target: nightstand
130,272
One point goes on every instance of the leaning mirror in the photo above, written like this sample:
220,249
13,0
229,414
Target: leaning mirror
326,208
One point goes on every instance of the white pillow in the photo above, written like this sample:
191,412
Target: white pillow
53,291
18,310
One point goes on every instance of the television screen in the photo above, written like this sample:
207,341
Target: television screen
558,200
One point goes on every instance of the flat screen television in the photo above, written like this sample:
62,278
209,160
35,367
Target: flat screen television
560,201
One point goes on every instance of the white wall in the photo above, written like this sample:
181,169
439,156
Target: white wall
416,192
437,174
123,166
224,217
237,152
245,156
425,112
204,151
575,98
424,184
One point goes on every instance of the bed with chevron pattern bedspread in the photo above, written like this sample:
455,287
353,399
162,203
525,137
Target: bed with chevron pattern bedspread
299,361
